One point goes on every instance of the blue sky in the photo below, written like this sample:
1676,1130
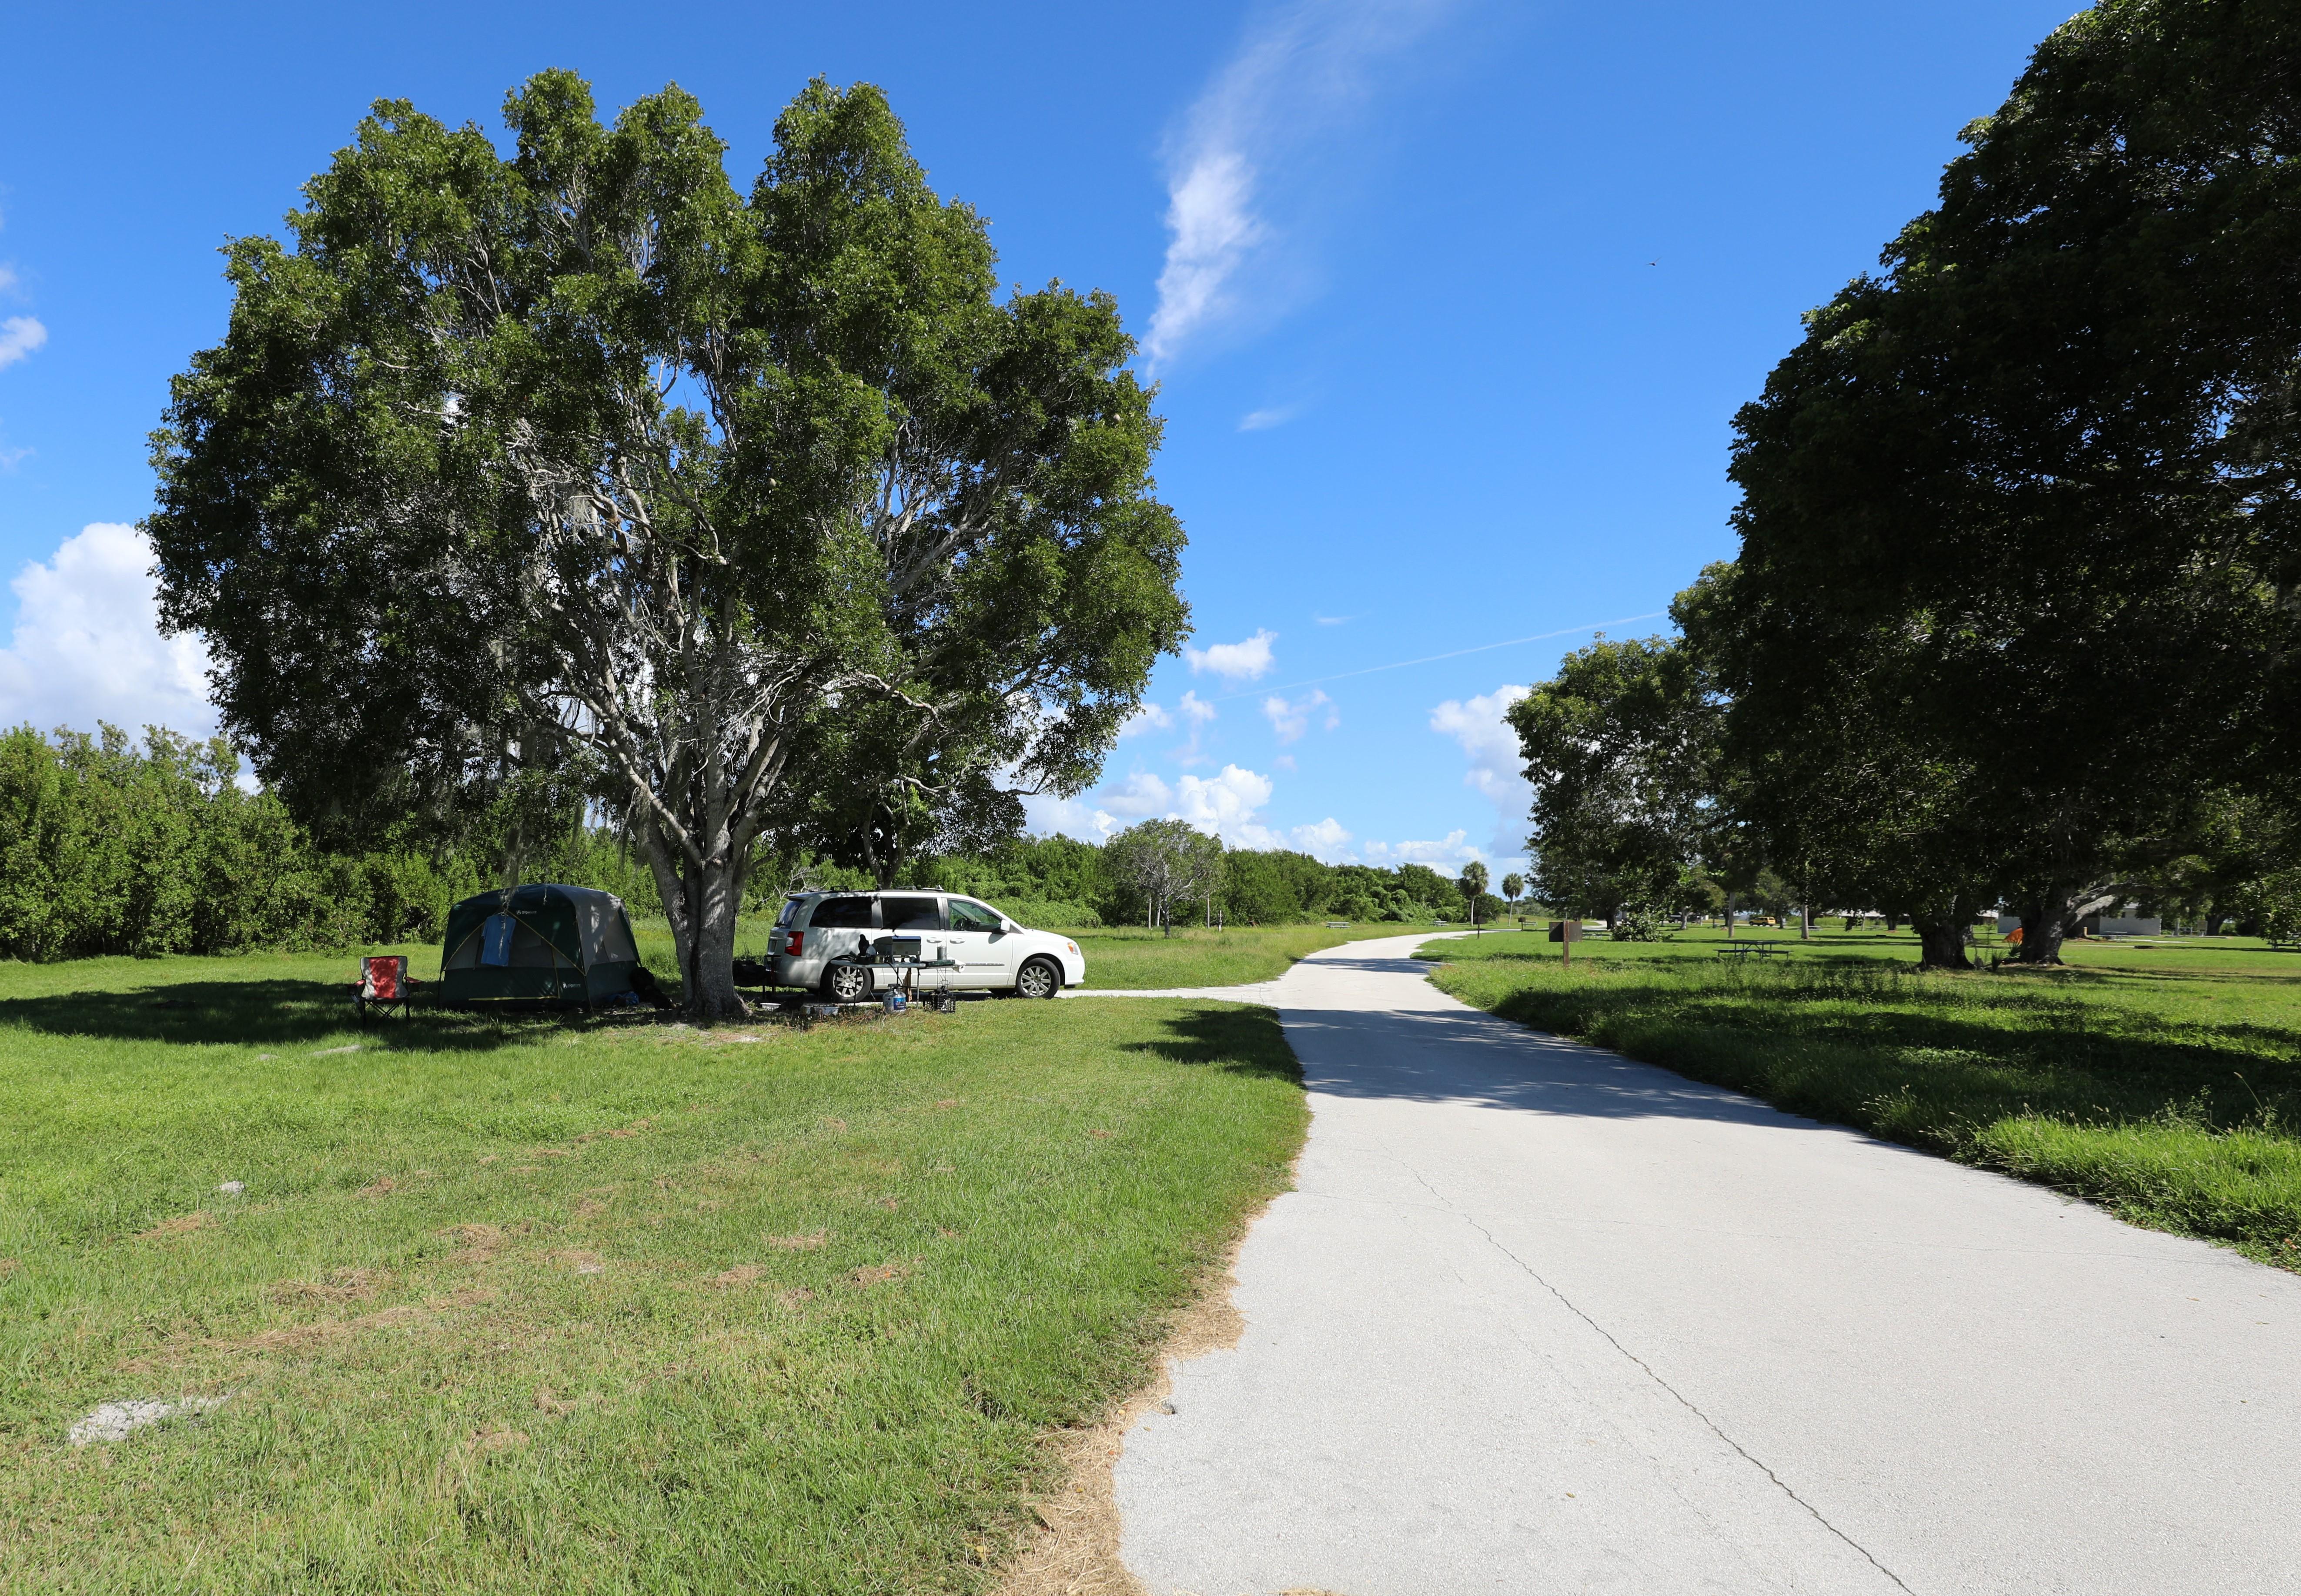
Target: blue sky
1451,303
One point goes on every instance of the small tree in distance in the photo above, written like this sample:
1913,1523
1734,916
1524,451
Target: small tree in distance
1473,883
1513,884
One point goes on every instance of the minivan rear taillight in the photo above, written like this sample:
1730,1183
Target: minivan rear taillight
797,938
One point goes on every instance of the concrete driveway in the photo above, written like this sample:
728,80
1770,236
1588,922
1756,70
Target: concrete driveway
1541,1319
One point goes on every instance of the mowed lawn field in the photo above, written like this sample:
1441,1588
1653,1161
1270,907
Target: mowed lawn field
2162,1081
526,1304
1131,958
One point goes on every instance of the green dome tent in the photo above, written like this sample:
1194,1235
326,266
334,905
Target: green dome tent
547,943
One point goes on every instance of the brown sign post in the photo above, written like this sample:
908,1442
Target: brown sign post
1568,931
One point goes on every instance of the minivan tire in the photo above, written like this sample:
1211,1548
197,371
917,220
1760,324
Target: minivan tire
1038,978
855,978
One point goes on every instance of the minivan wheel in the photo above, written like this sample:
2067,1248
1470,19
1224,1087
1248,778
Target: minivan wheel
847,983
1038,978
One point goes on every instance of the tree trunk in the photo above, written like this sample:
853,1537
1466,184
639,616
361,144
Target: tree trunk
712,996
2042,931
1805,923
1729,916
701,904
1941,941
2214,921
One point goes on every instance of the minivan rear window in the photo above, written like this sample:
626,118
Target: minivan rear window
789,913
910,914
842,913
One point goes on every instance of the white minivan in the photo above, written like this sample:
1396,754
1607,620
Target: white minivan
825,941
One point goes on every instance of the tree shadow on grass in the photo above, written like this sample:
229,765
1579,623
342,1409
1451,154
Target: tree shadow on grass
1239,1042
282,1013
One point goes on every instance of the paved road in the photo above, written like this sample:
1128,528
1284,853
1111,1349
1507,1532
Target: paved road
1540,1319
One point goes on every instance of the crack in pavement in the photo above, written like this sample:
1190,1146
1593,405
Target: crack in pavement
1679,1396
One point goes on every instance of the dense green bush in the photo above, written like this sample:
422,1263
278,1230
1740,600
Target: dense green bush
108,847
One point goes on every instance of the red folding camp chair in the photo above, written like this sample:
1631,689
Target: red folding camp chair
383,984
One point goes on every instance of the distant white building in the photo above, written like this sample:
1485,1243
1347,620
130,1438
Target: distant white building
2127,922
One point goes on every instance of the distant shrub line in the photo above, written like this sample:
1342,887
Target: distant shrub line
112,846
108,847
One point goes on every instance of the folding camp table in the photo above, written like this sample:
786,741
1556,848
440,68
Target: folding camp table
905,959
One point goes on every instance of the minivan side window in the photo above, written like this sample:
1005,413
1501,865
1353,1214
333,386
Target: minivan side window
910,914
789,913
847,914
967,914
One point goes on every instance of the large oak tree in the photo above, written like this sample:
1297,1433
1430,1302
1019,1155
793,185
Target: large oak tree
584,450
2019,518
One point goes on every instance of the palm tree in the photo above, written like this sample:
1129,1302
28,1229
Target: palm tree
1513,885
1474,885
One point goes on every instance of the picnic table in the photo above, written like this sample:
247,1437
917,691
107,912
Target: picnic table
1743,952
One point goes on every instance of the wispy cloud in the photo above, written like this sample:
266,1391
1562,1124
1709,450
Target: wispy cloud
1262,421
1195,713
1303,68
1334,619
1139,795
1246,661
1291,719
1150,717
19,337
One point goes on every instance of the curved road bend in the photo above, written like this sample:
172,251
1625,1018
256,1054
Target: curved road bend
1541,1319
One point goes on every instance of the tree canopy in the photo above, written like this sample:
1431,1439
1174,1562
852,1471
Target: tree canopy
581,453
2019,545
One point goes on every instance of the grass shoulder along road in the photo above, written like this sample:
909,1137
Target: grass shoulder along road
2163,1084
1121,958
524,1304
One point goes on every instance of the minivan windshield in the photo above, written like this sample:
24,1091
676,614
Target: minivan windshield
967,914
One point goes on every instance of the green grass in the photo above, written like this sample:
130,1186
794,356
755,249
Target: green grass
532,1306
1130,958
2162,1081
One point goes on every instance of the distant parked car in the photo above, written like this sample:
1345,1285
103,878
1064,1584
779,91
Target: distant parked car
825,941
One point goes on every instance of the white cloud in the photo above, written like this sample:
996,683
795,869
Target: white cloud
1290,721
1224,802
1334,619
19,337
7,278
1496,765
1308,66
1326,839
1455,849
1262,421
1236,662
1048,816
1139,795
1150,717
88,644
